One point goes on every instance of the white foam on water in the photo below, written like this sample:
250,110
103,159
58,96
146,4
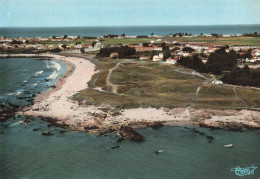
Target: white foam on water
24,81
55,65
47,65
53,75
35,84
15,93
38,73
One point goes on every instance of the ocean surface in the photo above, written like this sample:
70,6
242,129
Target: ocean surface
130,31
26,153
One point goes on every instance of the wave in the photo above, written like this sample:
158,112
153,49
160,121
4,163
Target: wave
18,92
35,84
53,75
55,65
38,73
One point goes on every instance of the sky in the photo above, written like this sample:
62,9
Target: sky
65,13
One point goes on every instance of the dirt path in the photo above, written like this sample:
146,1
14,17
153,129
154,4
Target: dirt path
108,82
243,101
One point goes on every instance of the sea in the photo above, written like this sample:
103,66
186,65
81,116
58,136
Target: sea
128,30
187,152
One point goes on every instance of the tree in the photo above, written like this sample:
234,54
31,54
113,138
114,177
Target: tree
175,48
93,44
220,60
188,49
145,44
65,36
64,46
166,54
152,34
123,51
164,46
53,37
82,50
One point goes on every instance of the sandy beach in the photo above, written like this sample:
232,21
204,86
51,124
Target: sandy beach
56,103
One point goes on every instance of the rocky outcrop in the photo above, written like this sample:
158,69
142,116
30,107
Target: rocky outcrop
155,124
130,133
47,133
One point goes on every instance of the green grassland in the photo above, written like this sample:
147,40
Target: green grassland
144,84
220,40
208,40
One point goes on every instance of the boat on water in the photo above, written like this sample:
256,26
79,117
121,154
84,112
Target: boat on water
228,145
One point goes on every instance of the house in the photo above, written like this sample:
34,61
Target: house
171,61
226,35
204,61
157,58
218,82
158,40
257,53
144,58
98,46
184,54
250,60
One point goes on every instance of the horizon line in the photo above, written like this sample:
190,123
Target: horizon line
121,26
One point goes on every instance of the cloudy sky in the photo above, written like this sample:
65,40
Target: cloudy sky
41,13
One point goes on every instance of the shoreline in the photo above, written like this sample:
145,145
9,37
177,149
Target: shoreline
56,106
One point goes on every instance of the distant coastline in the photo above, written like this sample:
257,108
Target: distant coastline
93,31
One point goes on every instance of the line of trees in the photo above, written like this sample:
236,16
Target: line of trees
123,51
217,62
243,76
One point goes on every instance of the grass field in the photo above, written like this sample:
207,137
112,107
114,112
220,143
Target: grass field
220,40
144,84
208,40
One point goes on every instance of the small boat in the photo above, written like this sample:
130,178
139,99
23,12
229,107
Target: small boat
158,151
228,146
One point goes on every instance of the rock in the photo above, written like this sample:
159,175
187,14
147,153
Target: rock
197,131
155,124
27,121
166,110
36,129
235,126
120,139
208,126
91,125
62,131
210,138
100,115
130,133
115,147
47,133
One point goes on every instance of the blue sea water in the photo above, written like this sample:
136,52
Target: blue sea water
128,30
26,153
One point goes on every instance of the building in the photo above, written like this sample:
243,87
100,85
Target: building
218,82
157,58
171,61
144,58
